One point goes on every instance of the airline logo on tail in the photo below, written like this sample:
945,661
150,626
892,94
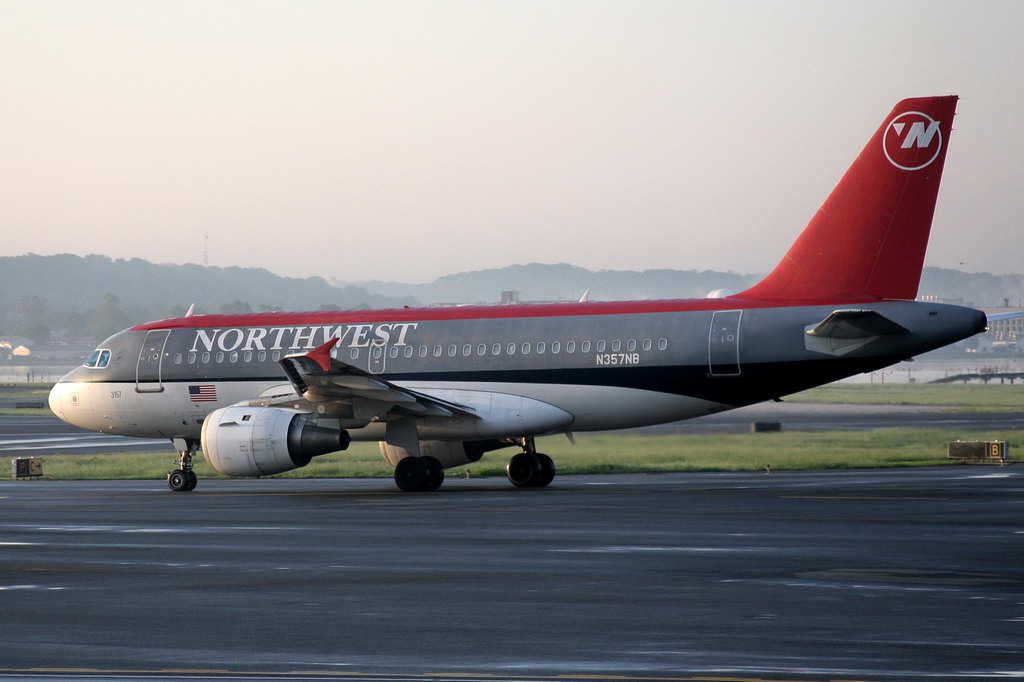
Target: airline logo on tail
912,141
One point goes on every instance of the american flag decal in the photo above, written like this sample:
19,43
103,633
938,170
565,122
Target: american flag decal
204,393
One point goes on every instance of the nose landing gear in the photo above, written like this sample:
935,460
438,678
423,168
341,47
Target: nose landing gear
183,478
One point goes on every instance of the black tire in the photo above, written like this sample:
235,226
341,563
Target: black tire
436,473
412,474
193,480
547,470
177,480
523,470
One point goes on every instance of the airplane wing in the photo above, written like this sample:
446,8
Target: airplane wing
844,331
328,385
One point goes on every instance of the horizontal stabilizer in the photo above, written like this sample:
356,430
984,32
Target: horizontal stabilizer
996,317
845,331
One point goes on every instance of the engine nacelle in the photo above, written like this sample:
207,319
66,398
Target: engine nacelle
448,453
259,441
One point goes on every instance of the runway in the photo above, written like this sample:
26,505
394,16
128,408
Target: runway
907,574
34,436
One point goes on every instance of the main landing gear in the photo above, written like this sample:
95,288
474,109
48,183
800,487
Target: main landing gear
530,469
183,478
419,474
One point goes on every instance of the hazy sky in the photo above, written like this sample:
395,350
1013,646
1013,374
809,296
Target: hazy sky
408,140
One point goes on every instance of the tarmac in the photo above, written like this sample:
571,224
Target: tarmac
897,574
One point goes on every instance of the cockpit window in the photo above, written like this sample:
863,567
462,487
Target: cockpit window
98,359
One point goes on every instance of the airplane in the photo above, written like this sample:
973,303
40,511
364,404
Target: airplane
438,388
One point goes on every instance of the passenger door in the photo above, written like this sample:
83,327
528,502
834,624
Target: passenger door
148,377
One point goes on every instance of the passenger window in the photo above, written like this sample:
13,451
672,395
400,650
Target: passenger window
393,352
526,349
437,351
262,356
616,345
220,358
423,351
540,347
600,346
467,350
234,356
631,344
585,346
496,349
276,356
555,346
191,358
247,357
647,344
177,358
481,349
408,351
354,354
206,358
511,350
453,350
663,344
570,347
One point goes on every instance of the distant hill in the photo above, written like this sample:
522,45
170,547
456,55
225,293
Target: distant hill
93,296
87,298
78,282
979,289
563,282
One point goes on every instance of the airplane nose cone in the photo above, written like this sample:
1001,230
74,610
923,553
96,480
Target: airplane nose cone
56,394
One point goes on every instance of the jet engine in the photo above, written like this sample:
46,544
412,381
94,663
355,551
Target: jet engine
259,441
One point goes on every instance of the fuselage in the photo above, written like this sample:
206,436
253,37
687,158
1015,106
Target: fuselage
605,365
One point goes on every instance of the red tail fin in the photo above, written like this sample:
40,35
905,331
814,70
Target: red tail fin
868,239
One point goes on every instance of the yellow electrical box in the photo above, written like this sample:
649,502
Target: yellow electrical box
979,450
27,467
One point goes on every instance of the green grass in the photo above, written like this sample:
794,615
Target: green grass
25,390
989,397
619,453
603,453
34,392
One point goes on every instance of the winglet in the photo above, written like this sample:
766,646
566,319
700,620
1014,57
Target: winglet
868,240
322,354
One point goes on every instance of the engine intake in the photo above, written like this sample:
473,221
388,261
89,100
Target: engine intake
259,441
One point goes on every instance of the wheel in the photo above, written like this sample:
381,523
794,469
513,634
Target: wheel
436,473
547,470
412,474
178,480
523,470
193,480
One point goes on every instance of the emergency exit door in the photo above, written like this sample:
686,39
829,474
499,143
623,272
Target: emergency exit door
724,343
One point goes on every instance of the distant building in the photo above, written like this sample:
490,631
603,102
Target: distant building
1003,336
16,347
